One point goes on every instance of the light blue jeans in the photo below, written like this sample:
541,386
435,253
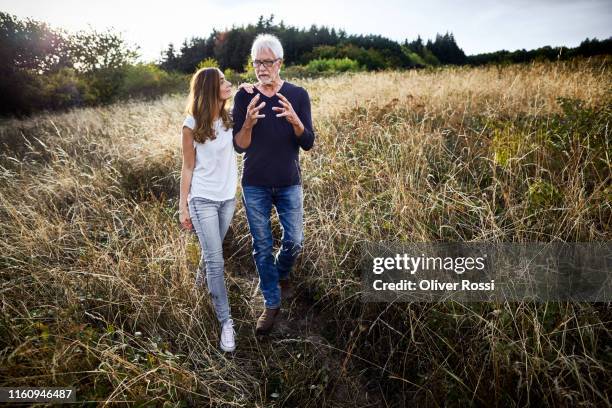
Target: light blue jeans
211,220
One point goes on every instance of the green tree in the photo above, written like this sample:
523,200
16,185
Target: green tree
446,50
94,51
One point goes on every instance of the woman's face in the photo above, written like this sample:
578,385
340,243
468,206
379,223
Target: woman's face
225,87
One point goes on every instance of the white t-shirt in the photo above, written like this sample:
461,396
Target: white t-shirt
215,174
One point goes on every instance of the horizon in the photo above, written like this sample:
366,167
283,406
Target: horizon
478,27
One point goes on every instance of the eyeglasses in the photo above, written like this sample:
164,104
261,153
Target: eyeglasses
266,63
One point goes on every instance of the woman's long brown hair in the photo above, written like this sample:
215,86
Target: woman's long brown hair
204,104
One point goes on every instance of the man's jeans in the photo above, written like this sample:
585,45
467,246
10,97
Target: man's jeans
258,202
211,220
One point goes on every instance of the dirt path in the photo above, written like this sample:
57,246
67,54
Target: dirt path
300,347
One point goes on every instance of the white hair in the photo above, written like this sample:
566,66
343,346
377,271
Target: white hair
267,41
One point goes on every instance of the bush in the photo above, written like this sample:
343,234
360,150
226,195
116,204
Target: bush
21,93
233,76
249,71
208,63
298,71
105,84
148,80
370,59
65,89
415,59
542,195
333,64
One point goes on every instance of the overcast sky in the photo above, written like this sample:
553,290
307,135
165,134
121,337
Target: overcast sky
478,25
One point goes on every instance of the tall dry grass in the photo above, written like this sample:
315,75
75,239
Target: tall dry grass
97,279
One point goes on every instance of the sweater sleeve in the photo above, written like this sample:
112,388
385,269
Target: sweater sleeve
306,139
238,116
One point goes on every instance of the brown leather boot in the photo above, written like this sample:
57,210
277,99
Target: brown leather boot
266,321
286,288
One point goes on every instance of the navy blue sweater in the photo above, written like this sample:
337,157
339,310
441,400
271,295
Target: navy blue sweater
272,159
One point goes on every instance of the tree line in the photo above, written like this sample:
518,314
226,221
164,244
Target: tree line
587,48
42,68
46,68
231,49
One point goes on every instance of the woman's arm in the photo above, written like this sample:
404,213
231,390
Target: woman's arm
186,175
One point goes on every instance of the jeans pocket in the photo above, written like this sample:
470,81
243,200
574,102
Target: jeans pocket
230,201
204,200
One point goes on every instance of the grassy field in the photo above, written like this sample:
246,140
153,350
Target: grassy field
97,281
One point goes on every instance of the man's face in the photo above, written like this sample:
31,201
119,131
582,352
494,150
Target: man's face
267,75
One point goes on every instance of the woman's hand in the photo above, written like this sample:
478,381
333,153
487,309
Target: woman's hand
247,87
185,218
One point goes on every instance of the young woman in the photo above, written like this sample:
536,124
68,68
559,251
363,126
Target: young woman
209,178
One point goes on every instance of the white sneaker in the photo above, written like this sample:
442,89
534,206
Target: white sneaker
227,336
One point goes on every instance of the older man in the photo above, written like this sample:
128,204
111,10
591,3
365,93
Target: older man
270,126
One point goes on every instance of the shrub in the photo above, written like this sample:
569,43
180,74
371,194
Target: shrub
370,59
233,76
542,195
148,80
298,71
415,59
65,89
249,71
208,63
105,84
333,64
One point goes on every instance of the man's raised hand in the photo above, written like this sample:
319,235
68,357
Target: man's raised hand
253,112
287,112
